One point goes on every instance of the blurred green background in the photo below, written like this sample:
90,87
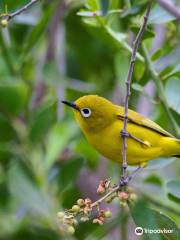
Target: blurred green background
61,50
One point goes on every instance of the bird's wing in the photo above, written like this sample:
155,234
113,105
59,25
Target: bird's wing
140,120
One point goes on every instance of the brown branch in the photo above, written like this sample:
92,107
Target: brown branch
85,210
54,25
128,86
170,7
100,200
114,189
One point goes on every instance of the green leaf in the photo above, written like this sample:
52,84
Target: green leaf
173,187
114,4
159,15
70,196
69,171
176,69
33,37
157,54
42,120
149,219
12,5
134,10
5,151
140,88
154,179
173,198
6,130
137,87
166,71
139,70
25,192
147,34
93,5
121,68
172,90
13,97
92,22
173,72
85,149
84,13
119,38
57,140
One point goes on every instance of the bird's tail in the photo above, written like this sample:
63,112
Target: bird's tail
171,146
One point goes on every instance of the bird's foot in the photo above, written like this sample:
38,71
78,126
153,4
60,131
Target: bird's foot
124,181
126,134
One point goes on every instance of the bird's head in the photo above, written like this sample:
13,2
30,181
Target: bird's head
92,112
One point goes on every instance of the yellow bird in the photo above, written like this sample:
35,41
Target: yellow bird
102,122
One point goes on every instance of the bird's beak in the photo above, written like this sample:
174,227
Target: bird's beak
71,104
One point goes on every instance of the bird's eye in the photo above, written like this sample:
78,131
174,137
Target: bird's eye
86,112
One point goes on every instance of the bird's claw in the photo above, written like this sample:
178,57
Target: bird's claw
124,181
124,134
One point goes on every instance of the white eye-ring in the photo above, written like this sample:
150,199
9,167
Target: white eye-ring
86,112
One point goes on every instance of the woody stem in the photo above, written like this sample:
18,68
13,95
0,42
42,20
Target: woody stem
128,86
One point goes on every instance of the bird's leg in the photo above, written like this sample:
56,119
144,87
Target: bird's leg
125,180
134,173
126,134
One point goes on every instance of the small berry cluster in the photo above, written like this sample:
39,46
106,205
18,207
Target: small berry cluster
82,211
128,196
68,219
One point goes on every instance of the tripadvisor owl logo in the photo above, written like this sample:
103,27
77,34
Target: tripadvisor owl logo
139,231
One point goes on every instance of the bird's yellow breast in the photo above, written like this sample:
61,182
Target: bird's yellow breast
109,143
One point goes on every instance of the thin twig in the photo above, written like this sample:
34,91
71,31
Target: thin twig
111,190
128,85
9,16
115,189
24,8
170,7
